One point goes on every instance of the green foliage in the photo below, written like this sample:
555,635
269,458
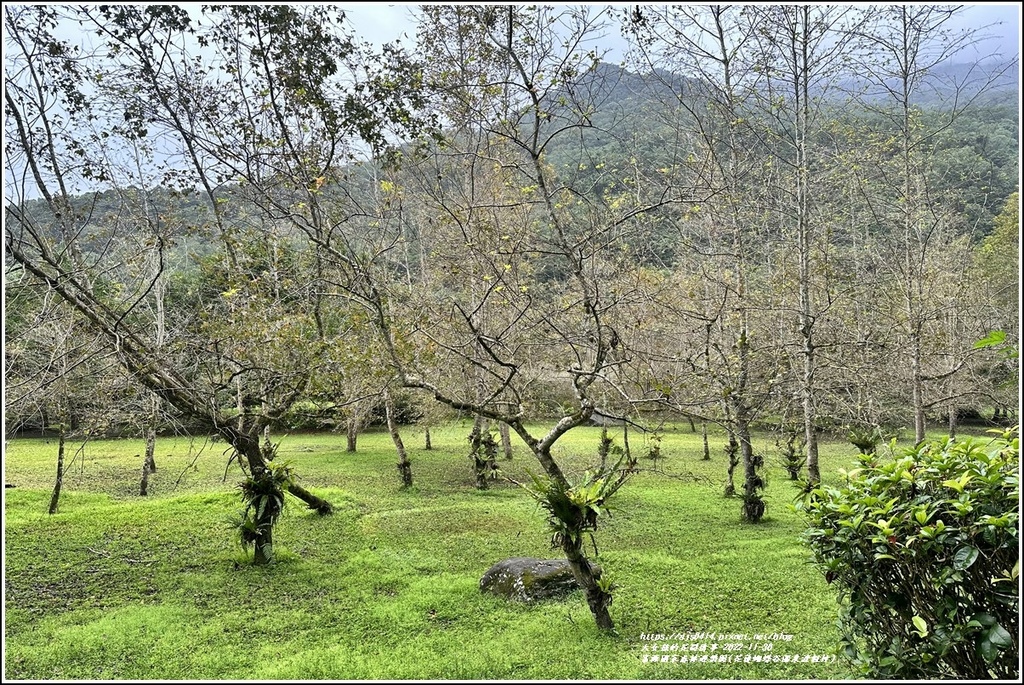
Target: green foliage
924,550
263,495
865,438
573,508
997,340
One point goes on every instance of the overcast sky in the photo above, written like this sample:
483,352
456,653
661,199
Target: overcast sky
380,22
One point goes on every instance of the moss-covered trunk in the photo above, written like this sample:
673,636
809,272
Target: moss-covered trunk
263,547
482,451
597,599
572,546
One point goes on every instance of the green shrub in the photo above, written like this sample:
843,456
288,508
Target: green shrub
924,551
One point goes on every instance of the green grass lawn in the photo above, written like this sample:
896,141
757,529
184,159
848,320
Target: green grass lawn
115,586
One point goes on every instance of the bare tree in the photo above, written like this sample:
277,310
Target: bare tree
728,360
246,95
907,45
539,310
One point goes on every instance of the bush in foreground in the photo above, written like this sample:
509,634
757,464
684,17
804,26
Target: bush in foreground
924,552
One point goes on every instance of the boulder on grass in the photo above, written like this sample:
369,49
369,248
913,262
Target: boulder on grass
526,579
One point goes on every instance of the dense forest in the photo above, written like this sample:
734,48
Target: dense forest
242,222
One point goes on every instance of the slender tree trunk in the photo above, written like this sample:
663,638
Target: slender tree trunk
912,275
404,468
506,440
810,433
426,439
625,441
952,421
804,239
159,293
239,403
704,437
149,460
352,432
148,463
59,481
490,450
918,393
693,428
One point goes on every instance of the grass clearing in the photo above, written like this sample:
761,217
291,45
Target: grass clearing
115,586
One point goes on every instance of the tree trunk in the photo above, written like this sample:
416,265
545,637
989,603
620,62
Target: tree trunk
404,468
475,453
952,421
704,437
918,398
693,428
506,440
426,439
268,447
753,505
810,434
247,446
148,462
239,403
263,548
317,504
732,450
597,599
352,433
804,236
572,546
625,441
55,497
490,450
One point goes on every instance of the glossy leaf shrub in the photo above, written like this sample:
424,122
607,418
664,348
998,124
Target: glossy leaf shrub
924,551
